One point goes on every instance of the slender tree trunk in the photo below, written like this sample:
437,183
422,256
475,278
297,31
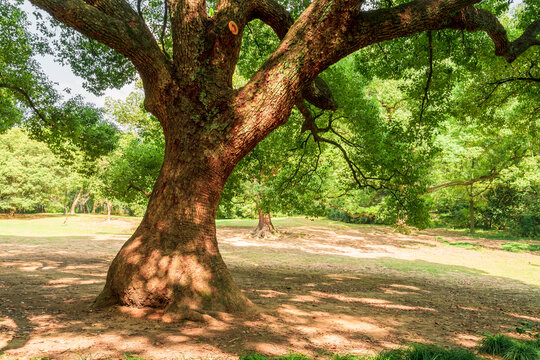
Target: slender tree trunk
65,202
265,226
109,205
471,210
172,260
75,202
94,207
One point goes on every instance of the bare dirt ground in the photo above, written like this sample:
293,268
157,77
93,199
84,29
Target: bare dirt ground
319,290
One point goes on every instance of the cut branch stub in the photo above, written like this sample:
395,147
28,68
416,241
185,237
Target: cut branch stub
233,27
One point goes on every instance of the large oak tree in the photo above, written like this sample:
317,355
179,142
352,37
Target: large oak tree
172,260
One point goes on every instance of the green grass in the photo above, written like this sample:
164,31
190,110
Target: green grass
519,247
488,234
463,244
75,225
510,349
426,352
495,344
413,352
521,351
298,221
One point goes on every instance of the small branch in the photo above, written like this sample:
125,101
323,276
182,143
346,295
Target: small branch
133,186
502,81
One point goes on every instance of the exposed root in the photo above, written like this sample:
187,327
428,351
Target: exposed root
264,233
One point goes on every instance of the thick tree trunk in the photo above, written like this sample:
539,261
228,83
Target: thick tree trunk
172,260
265,226
75,202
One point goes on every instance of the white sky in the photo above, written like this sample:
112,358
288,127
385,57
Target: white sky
64,77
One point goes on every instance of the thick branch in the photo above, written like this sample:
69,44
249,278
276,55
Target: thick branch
280,20
188,33
115,24
473,19
462,183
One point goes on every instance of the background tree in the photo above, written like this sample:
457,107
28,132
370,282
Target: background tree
32,179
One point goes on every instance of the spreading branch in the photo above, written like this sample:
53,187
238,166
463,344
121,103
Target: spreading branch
115,24
29,101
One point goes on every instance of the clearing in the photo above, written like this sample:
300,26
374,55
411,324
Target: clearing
322,287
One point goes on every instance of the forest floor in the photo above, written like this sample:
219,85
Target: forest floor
322,287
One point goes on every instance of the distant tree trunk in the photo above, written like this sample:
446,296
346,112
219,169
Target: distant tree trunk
75,202
94,207
65,202
265,226
471,210
108,209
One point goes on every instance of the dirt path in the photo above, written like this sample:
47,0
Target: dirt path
320,291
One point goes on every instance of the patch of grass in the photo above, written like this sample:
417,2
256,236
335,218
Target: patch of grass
519,247
426,352
463,244
521,351
292,356
347,357
495,344
253,356
131,357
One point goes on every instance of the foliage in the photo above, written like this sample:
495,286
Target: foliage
531,328
28,98
31,177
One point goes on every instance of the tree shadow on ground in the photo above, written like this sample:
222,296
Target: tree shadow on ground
309,302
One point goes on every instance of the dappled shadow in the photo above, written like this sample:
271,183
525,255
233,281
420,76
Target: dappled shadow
312,298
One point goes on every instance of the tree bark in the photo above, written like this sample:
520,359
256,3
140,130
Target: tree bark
94,207
75,202
265,226
172,260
